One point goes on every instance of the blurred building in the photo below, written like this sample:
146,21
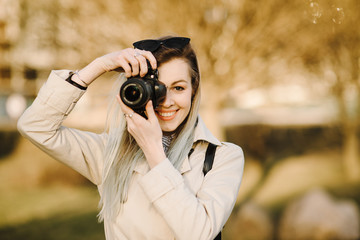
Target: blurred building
22,70
36,37
10,82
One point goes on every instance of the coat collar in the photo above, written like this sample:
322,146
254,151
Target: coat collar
202,133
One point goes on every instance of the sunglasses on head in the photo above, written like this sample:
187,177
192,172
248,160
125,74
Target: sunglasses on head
153,44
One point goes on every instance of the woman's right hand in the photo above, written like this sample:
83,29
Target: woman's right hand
131,61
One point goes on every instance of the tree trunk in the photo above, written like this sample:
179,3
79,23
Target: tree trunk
348,118
350,148
351,153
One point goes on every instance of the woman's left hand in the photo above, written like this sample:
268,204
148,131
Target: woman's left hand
147,132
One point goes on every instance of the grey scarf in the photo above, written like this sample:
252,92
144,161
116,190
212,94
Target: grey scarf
166,141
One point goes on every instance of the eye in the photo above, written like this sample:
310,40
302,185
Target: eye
178,88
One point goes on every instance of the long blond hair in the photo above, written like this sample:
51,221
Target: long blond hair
122,153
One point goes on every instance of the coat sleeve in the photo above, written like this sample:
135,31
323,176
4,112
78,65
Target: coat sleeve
41,123
201,215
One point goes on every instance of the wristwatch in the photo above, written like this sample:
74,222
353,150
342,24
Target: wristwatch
69,80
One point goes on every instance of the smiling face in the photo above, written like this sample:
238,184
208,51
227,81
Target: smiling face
174,109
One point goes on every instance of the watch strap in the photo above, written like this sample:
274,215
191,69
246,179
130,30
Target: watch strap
69,80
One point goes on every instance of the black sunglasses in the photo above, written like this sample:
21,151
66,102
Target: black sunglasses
152,44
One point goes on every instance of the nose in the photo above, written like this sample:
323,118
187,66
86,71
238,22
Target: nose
168,101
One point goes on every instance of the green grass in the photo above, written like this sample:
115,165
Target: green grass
43,199
56,212
60,227
18,206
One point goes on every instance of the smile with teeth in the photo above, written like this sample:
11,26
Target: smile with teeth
166,114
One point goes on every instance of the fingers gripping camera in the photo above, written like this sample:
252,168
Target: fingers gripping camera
137,91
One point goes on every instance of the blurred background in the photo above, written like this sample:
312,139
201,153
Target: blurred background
279,78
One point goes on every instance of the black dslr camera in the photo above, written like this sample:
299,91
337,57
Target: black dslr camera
137,91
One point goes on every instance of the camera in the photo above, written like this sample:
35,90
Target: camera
137,91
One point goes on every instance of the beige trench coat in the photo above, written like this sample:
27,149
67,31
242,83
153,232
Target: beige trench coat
163,203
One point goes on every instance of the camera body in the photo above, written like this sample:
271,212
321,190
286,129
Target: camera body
137,91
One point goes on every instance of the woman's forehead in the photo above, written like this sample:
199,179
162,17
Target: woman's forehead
173,71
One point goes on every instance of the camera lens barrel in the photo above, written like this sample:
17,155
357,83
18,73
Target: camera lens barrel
135,93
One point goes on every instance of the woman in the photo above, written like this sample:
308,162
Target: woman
148,170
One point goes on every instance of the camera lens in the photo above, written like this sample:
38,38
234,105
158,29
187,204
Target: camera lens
136,92
132,93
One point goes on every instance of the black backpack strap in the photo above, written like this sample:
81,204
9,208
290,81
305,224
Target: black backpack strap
208,163
218,237
209,158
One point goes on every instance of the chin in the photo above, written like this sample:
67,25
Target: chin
168,129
